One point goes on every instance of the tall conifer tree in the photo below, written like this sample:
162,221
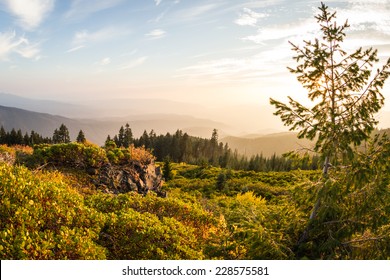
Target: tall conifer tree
345,92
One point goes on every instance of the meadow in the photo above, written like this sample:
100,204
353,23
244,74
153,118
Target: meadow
56,212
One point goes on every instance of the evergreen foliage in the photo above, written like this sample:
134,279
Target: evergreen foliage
124,138
167,169
345,91
14,137
181,147
81,137
209,213
346,94
61,135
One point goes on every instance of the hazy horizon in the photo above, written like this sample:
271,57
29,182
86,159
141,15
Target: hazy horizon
225,58
162,115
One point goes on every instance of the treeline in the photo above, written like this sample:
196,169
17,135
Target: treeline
16,137
181,147
177,147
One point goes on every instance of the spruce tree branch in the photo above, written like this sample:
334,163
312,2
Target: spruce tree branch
296,115
363,240
339,77
363,94
298,49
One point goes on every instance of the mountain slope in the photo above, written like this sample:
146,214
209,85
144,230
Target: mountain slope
97,130
27,120
41,105
267,145
100,108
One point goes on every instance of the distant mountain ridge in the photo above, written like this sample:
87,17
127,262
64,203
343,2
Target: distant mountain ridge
277,143
241,119
256,125
100,109
41,105
42,123
252,120
97,130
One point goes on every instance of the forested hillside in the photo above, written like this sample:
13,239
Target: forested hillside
178,147
54,205
268,145
97,128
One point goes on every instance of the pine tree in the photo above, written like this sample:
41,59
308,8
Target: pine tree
167,169
127,136
35,138
81,137
19,137
214,137
214,148
116,141
12,137
346,95
152,138
3,135
108,141
221,180
61,135
26,139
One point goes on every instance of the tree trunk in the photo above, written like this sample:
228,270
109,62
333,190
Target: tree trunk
313,214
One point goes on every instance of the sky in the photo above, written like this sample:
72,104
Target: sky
205,52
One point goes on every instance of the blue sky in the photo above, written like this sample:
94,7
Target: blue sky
208,52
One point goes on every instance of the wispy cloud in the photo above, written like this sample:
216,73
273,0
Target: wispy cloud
156,34
10,43
363,16
31,51
249,17
225,69
84,38
283,31
80,9
160,16
158,2
242,67
75,49
134,63
192,13
130,53
30,13
105,61
367,15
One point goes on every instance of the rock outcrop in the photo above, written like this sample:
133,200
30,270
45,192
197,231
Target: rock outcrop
134,176
112,170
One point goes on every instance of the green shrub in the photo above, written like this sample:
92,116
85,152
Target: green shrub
41,218
132,235
189,215
75,155
256,230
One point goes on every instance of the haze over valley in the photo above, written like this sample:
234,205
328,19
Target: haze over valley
198,120
248,129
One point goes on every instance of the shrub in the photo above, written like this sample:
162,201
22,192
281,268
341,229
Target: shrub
132,235
190,217
41,218
7,154
75,155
